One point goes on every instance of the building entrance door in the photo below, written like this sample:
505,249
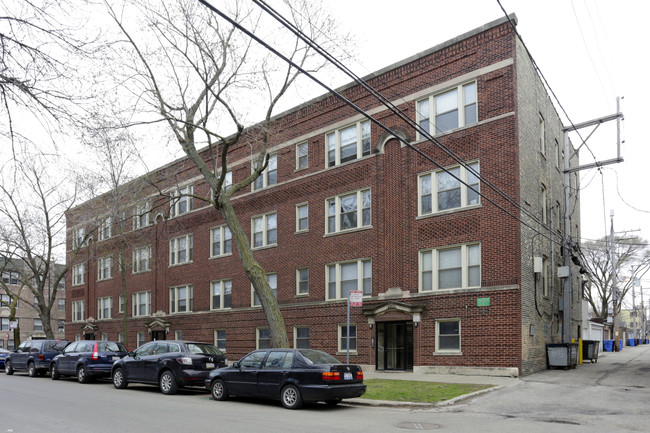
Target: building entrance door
394,346
158,335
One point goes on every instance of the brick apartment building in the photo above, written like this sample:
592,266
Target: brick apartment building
448,277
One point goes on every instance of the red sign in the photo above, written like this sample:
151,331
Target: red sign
356,298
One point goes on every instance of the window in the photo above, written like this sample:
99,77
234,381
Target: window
450,268
104,229
302,156
10,278
272,279
544,204
180,250
542,136
104,268
344,277
120,304
5,301
141,304
60,305
221,241
220,339
265,230
120,337
178,335
77,274
301,337
139,339
302,217
181,299
4,324
302,281
78,311
141,214
348,211
343,338
348,144
78,237
448,336
36,303
38,325
450,192
141,260
558,160
221,294
545,276
270,174
105,308
61,326
440,113
263,338
182,201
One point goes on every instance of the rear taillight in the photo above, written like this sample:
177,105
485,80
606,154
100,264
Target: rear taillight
95,355
41,357
360,375
185,360
331,375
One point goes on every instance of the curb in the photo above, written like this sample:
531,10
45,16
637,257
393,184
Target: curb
413,405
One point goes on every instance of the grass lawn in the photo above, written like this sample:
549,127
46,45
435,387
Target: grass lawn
417,392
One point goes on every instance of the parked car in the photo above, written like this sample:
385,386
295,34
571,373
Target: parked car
3,355
292,376
168,363
87,359
34,356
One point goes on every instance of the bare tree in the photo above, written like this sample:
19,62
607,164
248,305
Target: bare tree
631,259
197,74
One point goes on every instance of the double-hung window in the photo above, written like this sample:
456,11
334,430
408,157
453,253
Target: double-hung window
78,237
10,278
347,276
77,274
38,325
104,307
302,281
180,249
450,268
344,338
141,304
221,241
182,201
272,279
448,110
104,268
220,339
142,214
348,211
221,295
78,311
448,335
347,144
104,230
443,190
181,299
302,156
302,217
270,174
141,259
301,337
265,230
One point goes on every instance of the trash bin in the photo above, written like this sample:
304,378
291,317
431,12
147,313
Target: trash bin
620,344
563,355
608,345
630,341
590,350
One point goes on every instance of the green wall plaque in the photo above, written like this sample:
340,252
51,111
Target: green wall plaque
483,302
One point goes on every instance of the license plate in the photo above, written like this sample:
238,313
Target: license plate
347,376
209,365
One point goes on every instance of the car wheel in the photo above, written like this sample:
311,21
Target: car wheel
219,391
333,402
8,369
55,372
31,370
119,381
82,377
168,383
290,397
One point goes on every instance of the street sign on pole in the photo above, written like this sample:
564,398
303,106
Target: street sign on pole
356,298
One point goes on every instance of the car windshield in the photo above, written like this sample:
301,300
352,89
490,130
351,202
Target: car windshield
318,357
111,346
207,349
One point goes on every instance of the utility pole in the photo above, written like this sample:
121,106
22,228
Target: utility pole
614,290
634,313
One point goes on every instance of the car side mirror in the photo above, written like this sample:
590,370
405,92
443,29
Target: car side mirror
236,364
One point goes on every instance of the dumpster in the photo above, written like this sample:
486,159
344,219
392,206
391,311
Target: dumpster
608,345
563,355
590,350
630,341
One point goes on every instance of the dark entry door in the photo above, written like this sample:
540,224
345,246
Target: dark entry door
158,335
395,346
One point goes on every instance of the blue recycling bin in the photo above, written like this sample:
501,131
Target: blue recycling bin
630,341
608,345
620,344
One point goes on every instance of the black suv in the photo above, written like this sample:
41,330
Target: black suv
34,356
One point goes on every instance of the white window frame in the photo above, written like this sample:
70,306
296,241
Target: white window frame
427,117
142,214
60,304
105,229
432,179
141,260
269,176
103,304
78,273
299,280
264,218
542,135
299,217
460,333
178,334
430,265
104,268
10,278
139,339
175,250
136,303
37,327
272,280
544,204
333,212
258,338
120,304
217,339
302,155
225,241
78,235
363,143
175,299
182,201
222,285
78,311
296,338
342,336
362,266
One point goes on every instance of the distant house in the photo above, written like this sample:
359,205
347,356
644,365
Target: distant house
454,276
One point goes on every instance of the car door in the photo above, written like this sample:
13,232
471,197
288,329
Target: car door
274,372
19,357
154,361
243,379
63,361
135,366
84,349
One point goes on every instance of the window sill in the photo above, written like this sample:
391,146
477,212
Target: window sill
344,232
220,256
448,353
449,211
221,309
264,247
302,295
343,352
141,272
301,232
181,264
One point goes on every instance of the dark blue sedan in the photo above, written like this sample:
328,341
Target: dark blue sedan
3,355
87,359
